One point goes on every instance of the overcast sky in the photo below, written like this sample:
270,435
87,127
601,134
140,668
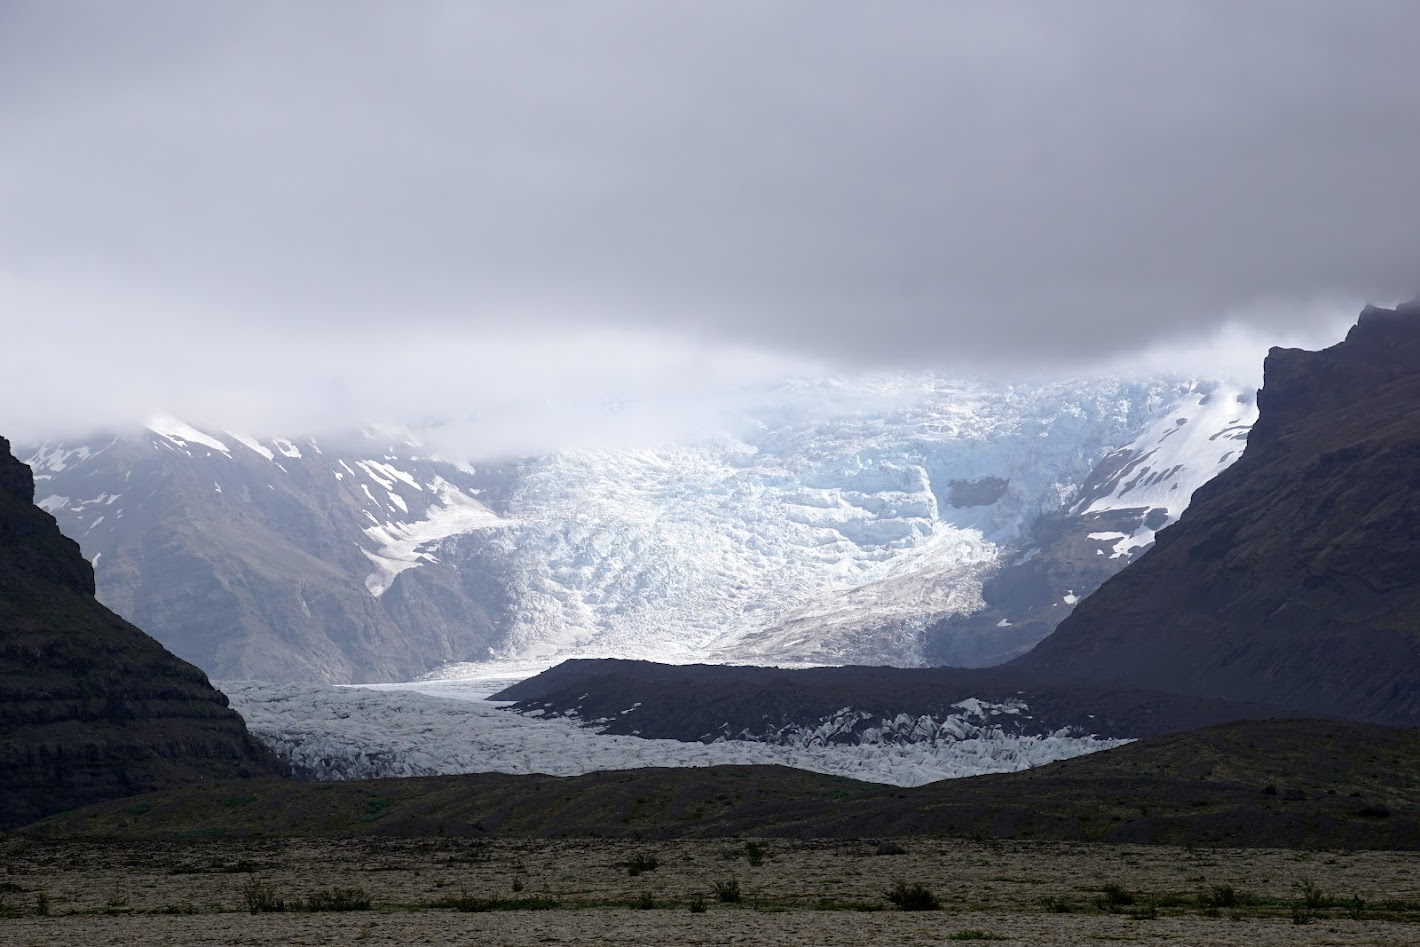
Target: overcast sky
299,212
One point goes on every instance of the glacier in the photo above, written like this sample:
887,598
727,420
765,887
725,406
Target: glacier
833,536
843,520
372,731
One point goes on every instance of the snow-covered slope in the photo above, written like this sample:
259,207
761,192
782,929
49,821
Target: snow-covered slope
869,520
1178,452
354,733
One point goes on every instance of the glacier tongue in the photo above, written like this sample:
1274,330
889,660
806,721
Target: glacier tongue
357,733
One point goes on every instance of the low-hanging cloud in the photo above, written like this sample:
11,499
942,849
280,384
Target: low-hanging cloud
993,184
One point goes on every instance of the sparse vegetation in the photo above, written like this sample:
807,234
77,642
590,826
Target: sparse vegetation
339,899
468,904
1114,897
913,897
260,898
755,853
976,933
1219,896
1309,903
727,891
1026,883
641,862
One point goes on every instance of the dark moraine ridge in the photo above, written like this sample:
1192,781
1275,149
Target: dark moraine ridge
708,702
1293,578
91,708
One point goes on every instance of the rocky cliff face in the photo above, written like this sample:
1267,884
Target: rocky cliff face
1294,576
91,708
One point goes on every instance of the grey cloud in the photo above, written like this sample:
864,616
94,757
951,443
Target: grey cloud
909,183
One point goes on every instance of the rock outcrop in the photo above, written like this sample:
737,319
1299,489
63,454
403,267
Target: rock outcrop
1294,576
91,708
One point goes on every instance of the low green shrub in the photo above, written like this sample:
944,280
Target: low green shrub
1113,897
641,863
728,891
914,897
260,898
339,899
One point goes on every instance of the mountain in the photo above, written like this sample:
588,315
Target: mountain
850,706
277,561
90,707
905,520
1294,576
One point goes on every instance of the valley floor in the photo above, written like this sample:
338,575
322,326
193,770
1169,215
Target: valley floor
458,891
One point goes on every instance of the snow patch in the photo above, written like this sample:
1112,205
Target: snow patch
402,546
183,434
1179,452
251,443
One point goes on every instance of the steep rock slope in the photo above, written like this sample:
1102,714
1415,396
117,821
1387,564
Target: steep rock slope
281,560
1294,576
90,707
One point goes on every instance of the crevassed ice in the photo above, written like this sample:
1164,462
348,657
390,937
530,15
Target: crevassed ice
802,525
356,733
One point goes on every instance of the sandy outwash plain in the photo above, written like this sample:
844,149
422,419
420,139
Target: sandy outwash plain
450,892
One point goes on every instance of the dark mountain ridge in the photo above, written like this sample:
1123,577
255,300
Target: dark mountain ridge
702,702
1293,578
91,708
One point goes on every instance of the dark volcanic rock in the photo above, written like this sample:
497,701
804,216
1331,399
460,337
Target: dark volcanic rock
708,702
1294,576
91,708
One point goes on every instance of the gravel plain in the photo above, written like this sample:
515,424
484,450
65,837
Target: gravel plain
197,892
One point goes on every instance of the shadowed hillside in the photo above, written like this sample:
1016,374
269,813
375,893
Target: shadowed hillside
1294,576
90,707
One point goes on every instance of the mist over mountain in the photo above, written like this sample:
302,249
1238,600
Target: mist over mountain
1293,576
940,521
